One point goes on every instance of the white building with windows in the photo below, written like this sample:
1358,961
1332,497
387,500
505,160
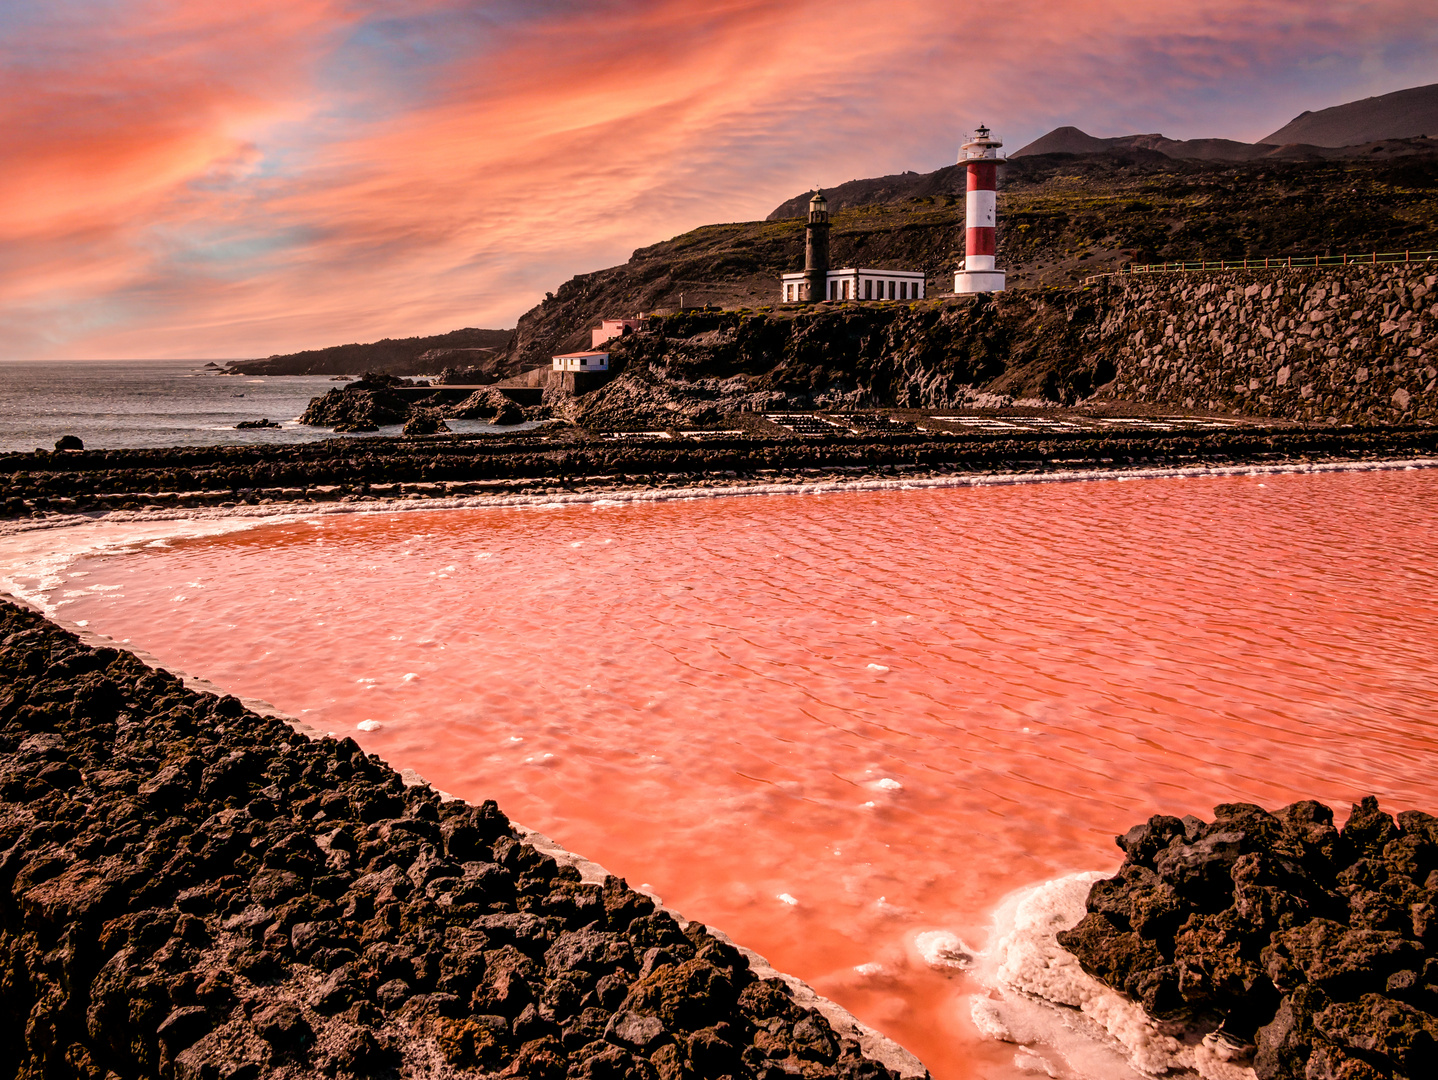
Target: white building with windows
859,284
582,361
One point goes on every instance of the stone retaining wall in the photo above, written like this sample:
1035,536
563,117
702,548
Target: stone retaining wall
1347,344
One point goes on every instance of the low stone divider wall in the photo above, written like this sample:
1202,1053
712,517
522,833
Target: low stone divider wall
48,485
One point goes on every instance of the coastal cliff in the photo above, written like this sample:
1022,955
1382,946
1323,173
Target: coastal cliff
1354,344
1062,217
483,350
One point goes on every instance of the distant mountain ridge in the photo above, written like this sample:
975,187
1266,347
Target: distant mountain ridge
1403,114
1348,130
1070,140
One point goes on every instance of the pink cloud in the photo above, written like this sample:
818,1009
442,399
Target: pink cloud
285,175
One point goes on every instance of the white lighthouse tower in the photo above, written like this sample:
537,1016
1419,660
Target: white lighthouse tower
981,155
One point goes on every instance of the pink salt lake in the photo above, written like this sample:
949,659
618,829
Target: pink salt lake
827,724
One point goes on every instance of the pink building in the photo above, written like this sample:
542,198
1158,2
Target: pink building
611,328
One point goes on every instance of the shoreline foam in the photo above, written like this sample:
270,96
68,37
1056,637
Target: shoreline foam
1063,1021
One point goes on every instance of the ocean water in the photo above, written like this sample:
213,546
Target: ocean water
841,728
112,404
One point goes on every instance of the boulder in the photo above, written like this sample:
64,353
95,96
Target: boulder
1319,943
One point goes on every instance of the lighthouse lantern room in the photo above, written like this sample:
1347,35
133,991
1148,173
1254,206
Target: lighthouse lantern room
981,156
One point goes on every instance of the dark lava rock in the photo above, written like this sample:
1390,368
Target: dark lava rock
424,422
1315,943
491,405
69,442
188,889
516,462
366,404
247,425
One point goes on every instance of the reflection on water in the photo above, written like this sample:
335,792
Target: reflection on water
827,725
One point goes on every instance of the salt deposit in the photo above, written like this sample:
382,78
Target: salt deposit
1035,987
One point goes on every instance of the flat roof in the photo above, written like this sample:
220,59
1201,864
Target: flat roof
859,270
576,355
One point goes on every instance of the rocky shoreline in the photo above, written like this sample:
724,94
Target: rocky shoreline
191,889
1305,951
565,461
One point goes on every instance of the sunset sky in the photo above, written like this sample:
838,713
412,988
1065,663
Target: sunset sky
237,179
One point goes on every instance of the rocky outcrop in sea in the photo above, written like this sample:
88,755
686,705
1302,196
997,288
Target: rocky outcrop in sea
366,404
189,889
1307,949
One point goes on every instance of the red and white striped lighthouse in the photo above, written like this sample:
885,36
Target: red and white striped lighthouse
981,155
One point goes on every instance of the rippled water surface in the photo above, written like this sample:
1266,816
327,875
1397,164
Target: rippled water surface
826,724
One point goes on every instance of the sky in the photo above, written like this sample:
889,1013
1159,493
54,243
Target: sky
238,179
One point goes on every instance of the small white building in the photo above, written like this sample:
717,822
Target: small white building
609,329
858,284
582,361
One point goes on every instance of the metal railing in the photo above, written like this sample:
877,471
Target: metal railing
1274,262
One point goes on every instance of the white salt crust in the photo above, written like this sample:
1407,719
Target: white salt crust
1066,1023
943,950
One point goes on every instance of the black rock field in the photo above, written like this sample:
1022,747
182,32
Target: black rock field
568,459
189,889
1314,945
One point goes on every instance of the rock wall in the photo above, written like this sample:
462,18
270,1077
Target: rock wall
1343,344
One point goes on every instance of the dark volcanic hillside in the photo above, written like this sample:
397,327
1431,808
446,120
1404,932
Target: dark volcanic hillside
1399,115
1061,218
394,356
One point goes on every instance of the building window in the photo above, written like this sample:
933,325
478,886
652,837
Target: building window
868,289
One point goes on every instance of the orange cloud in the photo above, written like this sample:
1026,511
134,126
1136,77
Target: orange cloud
283,175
